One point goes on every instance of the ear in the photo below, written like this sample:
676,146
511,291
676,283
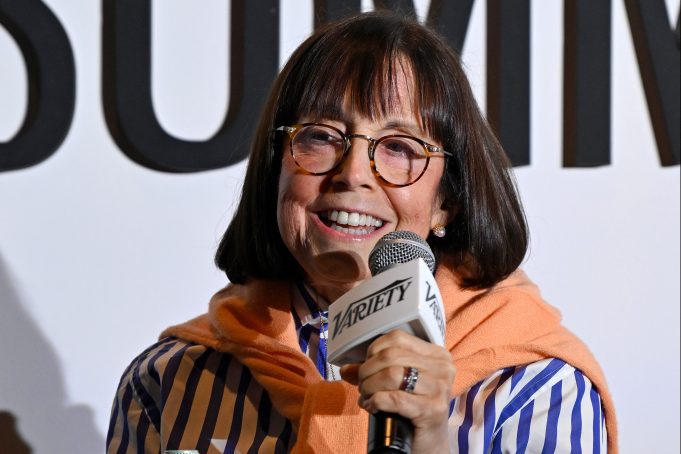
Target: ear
443,214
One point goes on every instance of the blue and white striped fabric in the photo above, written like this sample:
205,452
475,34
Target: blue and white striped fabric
310,314
185,396
544,407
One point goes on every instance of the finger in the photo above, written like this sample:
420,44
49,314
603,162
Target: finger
389,358
395,378
414,407
396,359
350,373
400,339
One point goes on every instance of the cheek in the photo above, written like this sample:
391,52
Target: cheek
294,196
417,209
413,206
286,214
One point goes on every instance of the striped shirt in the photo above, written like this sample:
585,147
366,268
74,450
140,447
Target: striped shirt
543,407
178,395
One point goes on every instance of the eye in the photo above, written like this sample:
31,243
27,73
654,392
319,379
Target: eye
401,147
318,136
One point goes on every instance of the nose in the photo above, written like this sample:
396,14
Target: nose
356,170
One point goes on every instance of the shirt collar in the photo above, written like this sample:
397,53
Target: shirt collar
307,306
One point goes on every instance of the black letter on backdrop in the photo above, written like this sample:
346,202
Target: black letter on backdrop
331,10
508,75
586,78
51,83
450,18
659,61
127,86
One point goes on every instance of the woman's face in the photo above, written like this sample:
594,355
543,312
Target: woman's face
334,253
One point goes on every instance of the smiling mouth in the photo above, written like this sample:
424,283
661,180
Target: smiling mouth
350,222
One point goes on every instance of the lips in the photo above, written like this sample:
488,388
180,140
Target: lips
351,222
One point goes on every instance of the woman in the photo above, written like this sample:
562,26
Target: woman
371,127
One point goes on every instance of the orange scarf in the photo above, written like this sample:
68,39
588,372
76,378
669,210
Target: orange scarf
487,330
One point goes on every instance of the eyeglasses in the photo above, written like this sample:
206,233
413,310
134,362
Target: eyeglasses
397,159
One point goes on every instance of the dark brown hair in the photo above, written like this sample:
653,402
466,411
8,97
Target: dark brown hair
356,59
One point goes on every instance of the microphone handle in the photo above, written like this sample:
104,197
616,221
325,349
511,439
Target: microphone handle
389,433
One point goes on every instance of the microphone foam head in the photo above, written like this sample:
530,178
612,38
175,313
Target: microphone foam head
399,247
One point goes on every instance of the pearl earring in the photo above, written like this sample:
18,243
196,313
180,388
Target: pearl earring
439,231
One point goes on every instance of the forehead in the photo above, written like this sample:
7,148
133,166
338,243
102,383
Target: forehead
387,100
394,96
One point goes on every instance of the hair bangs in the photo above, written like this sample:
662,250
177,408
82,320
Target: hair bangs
363,70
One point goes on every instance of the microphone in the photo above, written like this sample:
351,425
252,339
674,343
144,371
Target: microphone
402,294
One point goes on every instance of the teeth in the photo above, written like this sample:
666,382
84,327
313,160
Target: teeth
350,231
354,219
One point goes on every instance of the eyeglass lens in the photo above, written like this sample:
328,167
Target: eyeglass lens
399,160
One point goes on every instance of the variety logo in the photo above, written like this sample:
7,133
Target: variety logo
435,306
370,304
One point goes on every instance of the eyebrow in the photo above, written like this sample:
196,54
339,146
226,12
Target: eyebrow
412,128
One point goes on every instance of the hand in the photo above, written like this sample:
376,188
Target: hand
380,377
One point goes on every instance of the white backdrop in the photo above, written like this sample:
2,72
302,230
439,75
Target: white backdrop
99,254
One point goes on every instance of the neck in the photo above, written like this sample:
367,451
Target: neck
320,298
329,292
